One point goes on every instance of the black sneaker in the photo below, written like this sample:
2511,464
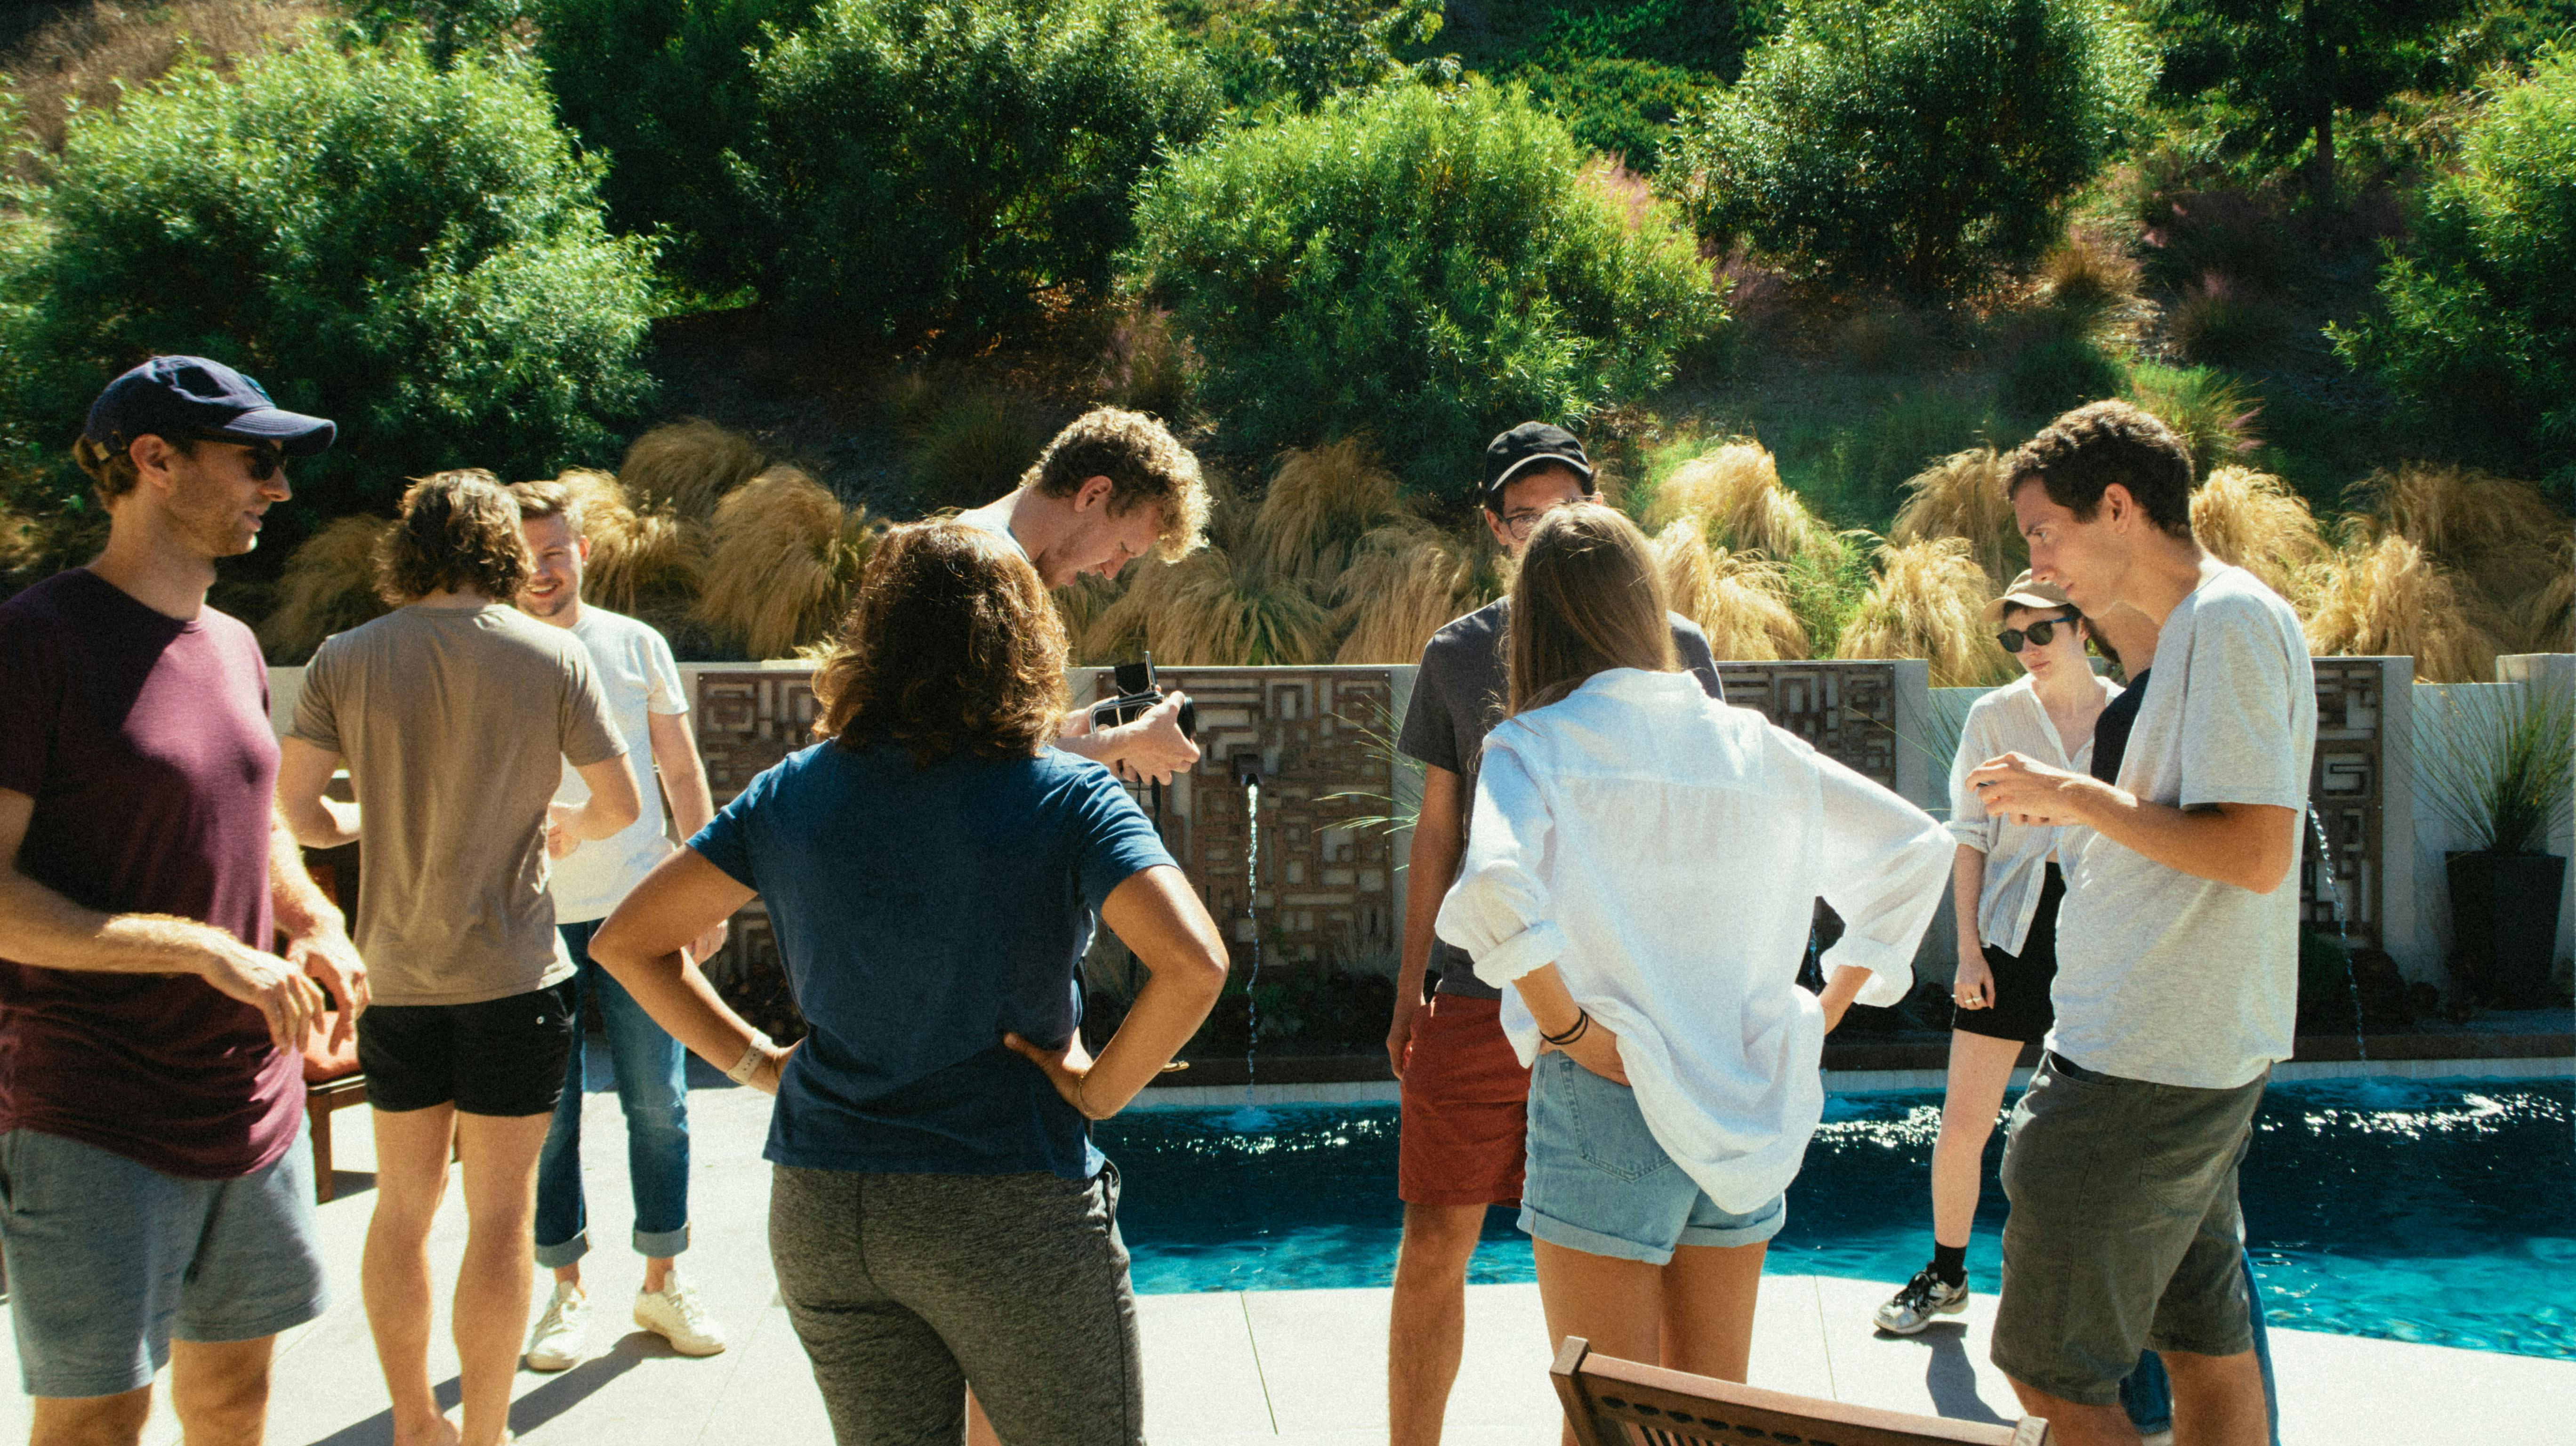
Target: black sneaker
1923,1297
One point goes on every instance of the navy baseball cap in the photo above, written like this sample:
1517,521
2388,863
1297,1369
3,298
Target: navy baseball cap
189,397
1527,446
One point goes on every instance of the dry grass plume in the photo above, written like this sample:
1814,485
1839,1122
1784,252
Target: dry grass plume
1927,603
688,465
1321,501
1740,599
1962,496
1406,581
2254,520
2387,596
642,563
1209,610
785,555
328,586
2511,549
1736,491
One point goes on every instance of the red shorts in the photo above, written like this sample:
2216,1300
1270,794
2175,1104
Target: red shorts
1466,1108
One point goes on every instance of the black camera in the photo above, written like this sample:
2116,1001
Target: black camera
1139,694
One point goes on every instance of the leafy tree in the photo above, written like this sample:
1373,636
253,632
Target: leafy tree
664,90
1615,105
2286,70
1425,267
1914,144
2480,323
938,164
415,253
1304,51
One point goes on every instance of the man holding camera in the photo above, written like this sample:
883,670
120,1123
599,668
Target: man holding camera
1111,487
1464,1091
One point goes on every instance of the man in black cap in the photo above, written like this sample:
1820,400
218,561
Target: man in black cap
1465,1092
153,1162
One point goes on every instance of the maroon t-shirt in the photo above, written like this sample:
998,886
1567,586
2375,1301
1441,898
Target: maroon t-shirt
145,743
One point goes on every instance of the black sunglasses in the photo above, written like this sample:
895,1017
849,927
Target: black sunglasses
265,457
2042,632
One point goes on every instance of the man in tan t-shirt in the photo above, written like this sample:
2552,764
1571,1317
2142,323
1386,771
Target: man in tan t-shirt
455,714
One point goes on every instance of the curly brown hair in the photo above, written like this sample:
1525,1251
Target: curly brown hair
952,647
2084,451
1144,463
455,531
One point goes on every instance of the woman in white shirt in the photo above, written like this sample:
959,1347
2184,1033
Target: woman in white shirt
2006,885
1640,872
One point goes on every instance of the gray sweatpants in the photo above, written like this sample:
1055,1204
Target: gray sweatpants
905,1287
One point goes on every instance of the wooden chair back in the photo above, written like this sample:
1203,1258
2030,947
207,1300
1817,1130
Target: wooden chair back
1611,1402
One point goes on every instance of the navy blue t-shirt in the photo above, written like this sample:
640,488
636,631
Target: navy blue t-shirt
920,913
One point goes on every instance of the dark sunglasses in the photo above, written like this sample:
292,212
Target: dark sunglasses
2042,632
265,457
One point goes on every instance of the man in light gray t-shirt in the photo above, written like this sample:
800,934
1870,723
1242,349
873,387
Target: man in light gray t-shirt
2177,953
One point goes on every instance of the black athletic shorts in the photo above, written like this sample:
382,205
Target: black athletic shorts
500,1057
2021,1009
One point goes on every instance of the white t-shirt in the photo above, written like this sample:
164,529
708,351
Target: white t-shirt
2162,976
634,665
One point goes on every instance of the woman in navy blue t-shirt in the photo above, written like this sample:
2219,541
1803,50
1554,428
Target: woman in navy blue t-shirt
933,871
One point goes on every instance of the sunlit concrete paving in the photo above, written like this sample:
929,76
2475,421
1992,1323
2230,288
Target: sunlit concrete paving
1237,1368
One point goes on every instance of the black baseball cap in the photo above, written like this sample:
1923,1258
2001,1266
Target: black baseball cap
1527,446
189,397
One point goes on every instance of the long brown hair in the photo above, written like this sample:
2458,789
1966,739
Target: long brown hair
951,647
1587,600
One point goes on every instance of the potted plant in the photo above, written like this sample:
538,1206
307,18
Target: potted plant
2499,763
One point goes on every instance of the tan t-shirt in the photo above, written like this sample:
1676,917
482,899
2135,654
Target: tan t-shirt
455,724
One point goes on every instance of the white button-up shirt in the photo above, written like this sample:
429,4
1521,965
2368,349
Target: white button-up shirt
1664,851
2010,719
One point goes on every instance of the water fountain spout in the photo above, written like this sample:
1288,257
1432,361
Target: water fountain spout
2332,887
1247,773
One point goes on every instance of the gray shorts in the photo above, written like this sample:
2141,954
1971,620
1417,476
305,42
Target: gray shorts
109,1259
905,1287
2124,1233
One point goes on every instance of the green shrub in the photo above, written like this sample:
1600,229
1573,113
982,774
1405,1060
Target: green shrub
2057,373
1917,145
941,163
2213,413
664,90
2221,321
1616,105
2481,319
1424,267
1300,52
415,253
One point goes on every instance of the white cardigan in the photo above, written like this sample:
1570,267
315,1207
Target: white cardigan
1664,851
2011,719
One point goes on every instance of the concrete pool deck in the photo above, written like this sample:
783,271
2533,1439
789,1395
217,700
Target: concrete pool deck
1233,1368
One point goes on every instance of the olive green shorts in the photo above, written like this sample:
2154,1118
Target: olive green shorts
2124,1232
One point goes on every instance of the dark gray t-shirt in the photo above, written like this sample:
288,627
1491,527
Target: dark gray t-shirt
1458,697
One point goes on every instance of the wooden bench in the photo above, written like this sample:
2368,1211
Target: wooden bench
320,1102
1611,1402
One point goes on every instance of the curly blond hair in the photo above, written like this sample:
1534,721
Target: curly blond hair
456,530
1144,463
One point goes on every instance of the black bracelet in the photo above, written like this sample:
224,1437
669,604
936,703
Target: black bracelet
1582,1022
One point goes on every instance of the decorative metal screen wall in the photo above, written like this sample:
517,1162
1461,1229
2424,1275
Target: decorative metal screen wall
1846,710
2346,785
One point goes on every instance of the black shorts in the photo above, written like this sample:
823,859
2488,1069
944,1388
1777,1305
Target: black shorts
500,1057
2021,1010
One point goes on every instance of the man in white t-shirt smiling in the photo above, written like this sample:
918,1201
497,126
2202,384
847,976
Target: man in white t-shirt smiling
2178,946
651,707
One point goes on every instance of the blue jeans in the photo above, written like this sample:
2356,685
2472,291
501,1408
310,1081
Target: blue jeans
653,1090
2148,1397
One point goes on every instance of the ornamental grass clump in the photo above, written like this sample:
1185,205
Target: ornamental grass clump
329,586
1962,496
688,465
644,562
2212,413
1739,599
1407,580
1736,493
2498,763
785,555
2254,520
2509,544
2386,597
1320,502
1929,602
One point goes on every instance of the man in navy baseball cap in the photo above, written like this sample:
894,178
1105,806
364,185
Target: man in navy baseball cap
188,398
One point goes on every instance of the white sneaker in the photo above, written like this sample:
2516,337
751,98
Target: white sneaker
562,1336
673,1313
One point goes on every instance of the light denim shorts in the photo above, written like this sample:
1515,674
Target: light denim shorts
109,1259
1598,1182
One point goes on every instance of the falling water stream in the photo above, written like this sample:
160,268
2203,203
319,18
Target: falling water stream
1251,1116
2333,883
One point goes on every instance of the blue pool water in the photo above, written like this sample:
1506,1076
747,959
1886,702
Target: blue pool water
2439,1211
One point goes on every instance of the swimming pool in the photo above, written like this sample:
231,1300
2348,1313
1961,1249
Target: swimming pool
2440,1211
